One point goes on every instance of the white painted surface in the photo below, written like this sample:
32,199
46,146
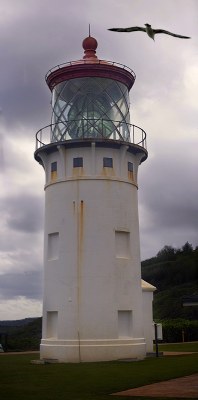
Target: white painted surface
93,211
159,331
147,292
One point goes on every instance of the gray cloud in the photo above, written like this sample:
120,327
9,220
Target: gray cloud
32,45
168,199
28,284
24,213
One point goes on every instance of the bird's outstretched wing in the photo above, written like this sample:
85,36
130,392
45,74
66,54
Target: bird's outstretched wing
132,29
170,33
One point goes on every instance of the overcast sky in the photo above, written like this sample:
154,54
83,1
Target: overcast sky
36,35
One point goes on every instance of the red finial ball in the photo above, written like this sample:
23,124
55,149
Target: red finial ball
90,45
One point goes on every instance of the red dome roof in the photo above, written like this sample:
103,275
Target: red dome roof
90,45
90,66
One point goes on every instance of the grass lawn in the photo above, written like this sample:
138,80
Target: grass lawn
20,380
190,346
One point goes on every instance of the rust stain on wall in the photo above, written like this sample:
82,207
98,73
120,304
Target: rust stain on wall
106,171
74,207
53,176
78,171
81,229
130,175
80,241
80,235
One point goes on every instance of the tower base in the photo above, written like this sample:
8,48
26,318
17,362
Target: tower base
75,351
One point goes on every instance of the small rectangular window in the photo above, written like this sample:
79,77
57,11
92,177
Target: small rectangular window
108,162
130,166
54,166
52,324
124,323
122,244
53,170
53,246
130,171
77,162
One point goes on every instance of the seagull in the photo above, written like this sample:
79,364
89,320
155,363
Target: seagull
149,30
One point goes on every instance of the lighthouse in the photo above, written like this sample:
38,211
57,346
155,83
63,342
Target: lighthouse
91,152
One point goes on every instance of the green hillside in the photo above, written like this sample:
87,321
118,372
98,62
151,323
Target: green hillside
21,335
174,272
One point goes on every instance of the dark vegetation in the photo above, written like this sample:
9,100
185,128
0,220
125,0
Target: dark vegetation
174,272
21,335
17,322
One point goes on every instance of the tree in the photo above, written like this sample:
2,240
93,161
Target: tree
187,248
166,254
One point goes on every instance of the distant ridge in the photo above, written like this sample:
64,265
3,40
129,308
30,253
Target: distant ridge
18,322
21,335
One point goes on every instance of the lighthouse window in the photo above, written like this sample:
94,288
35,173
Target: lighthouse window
53,246
90,107
77,162
53,170
122,244
52,323
108,162
130,171
54,166
130,166
124,323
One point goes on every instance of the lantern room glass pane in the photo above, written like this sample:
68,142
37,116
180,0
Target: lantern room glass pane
90,107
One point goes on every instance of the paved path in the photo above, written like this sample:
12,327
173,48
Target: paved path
177,353
186,387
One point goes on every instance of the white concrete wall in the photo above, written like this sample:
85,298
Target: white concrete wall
92,282
147,292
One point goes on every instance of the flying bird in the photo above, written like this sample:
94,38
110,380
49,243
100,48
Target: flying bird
149,30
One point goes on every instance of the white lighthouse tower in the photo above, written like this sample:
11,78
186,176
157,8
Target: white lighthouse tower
93,303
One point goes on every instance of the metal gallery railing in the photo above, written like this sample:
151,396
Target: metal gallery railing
100,129
87,61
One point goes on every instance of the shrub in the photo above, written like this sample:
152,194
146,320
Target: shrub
178,330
